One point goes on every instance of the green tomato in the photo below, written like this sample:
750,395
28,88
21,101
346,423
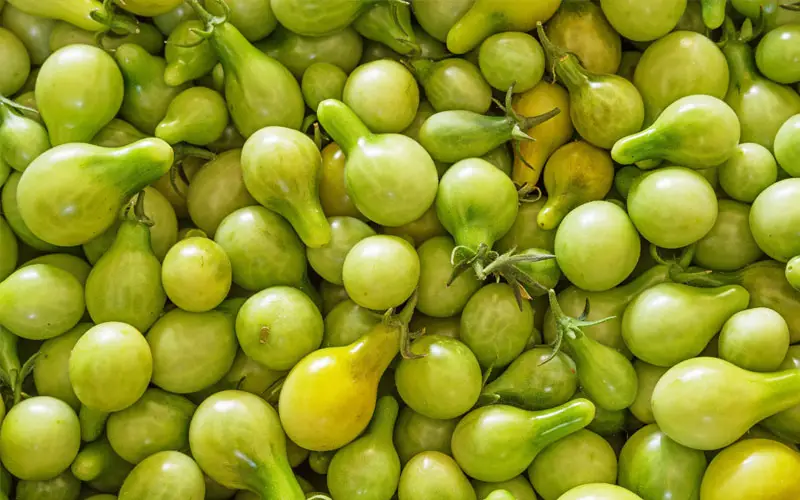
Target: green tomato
597,246
525,232
51,371
793,272
643,21
494,326
322,81
749,171
278,326
110,367
729,245
579,458
415,433
774,218
511,59
384,94
787,146
162,476
76,266
331,296
16,63
159,421
328,260
8,250
263,249
432,474
191,351
672,207
778,54
63,486
381,272
39,439
253,18
196,274
519,488
438,17
438,297
755,339
346,323
447,327
445,383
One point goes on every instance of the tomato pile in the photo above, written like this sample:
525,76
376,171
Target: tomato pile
376,250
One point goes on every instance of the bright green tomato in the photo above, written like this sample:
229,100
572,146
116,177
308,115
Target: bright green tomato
384,94
787,146
445,383
110,367
599,491
596,246
643,21
196,274
437,297
328,260
749,171
191,351
263,248
755,339
778,54
16,63
519,487
322,81
494,326
216,191
163,476
158,421
39,439
511,58
33,32
297,52
76,266
415,433
253,18
40,302
647,376
381,272
729,245
346,323
526,233
672,207
432,474
793,272
63,486
774,218
51,371
580,458
437,17
278,326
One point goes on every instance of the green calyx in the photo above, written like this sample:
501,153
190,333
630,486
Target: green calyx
211,21
108,16
565,325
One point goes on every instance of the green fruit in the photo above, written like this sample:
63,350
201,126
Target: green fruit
254,18
281,169
17,63
278,326
237,439
642,22
346,323
729,245
777,55
772,216
39,439
100,466
22,140
438,297
579,458
497,443
197,116
582,29
51,371
188,56
158,421
383,94
787,146
342,48
748,172
525,232
101,181
389,24
217,190
402,168
698,132
32,31
453,84
597,246
672,207
369,467
147,36
110,367
322,81
654,466
647,376
192,351
534,382
40,302
519,488
680,64
259,91
78,91
511,60
755,339
494,326
76,266
196,274
415,433
263,249
708,403
163,476
9,250
316,18
599,491
433,475
62,487
437,18
444,382
328,260
604,107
